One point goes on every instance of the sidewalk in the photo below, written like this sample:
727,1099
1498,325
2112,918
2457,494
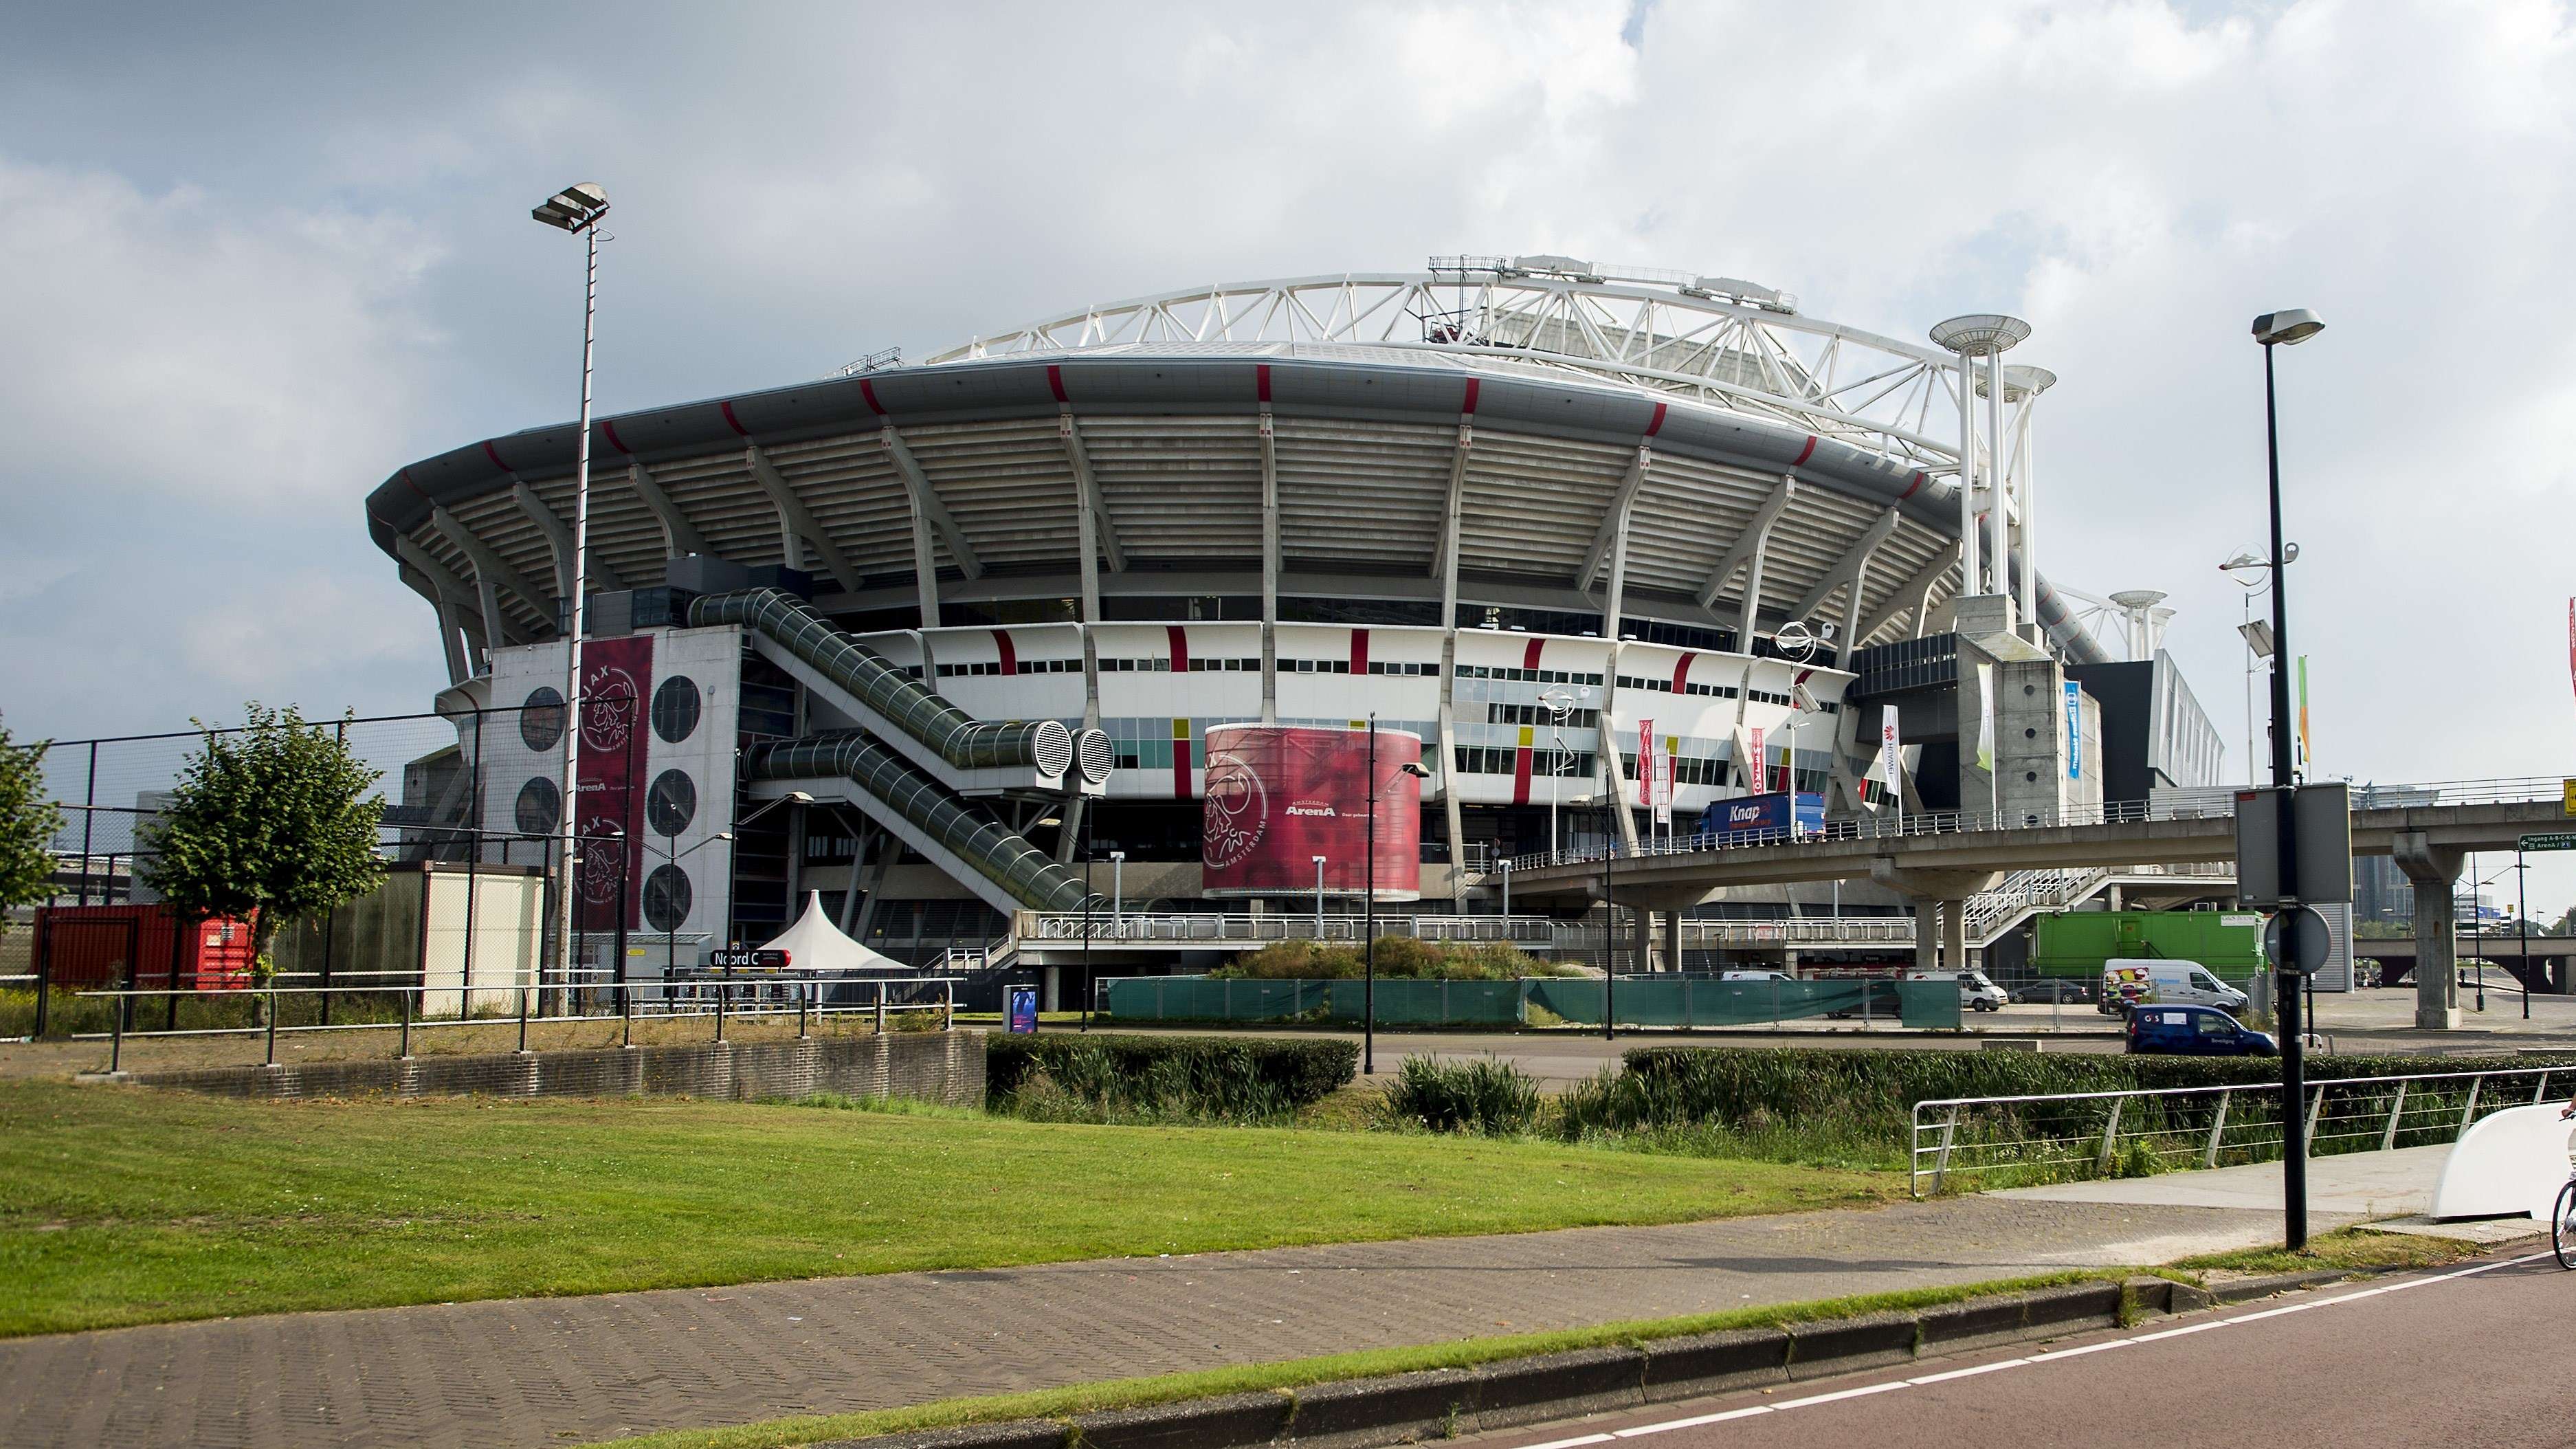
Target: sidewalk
551,1371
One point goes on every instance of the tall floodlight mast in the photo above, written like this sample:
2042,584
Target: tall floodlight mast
576,209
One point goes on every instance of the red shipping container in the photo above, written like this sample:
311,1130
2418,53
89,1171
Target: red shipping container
93,946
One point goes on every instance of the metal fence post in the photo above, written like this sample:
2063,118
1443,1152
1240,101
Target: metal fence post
2388,1139
270,1059
881,1008
405,996
2110,1133
523,1016
724,988
626,1018
2469,1113
2217,1129
2308,1125
115,1043
947,1006
2539,1087
1949,1131
801,994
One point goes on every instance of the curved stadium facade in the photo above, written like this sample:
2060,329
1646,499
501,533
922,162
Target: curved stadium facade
1521,511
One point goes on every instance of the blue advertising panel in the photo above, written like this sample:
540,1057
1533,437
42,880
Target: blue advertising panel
2074,730
1024,1010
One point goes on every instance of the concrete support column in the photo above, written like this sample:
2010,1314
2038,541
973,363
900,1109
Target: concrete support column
1672,940
1954,935
1927,935
2436,874
1642,922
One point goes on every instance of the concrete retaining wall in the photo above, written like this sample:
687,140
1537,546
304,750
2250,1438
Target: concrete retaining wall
930,1066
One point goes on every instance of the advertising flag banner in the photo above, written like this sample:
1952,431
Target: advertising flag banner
1759,774
2074,730
1986,718
1891,755
2304,756
608,807
1645,762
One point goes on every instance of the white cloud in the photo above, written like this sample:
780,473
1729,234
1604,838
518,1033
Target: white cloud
186,346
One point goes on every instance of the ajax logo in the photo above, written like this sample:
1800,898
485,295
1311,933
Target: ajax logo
1237,813
608,696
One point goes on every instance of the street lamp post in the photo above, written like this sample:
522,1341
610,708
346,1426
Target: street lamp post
576,209
1090,983
792,797
673,855
1368,920
1118,894
1559,703
1319,900
2274,329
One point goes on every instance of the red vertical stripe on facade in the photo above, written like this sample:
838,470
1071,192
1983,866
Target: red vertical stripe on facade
1055,381
1180,757
733,422
868,390
1469,406
1180,648
1681,674
609,429
1520,775
1261,380
1657,424
1010,656
494,454
1530,652
1806,452
1359,651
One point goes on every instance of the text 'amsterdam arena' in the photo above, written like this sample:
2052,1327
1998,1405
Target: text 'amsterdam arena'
1118,592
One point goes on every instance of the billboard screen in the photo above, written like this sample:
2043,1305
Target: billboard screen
1277,796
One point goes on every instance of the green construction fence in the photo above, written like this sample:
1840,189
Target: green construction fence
1642,1001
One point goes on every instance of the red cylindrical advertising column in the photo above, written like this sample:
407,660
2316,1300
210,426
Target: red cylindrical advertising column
1277,796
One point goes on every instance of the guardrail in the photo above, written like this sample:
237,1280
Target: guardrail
1186,929
2123,1133
2212,805
677,997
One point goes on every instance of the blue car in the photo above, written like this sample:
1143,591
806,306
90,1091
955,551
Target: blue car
2195,1031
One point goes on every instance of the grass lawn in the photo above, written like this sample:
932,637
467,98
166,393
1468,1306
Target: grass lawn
125,1205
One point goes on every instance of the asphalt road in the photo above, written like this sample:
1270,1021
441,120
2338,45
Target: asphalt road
2456,1358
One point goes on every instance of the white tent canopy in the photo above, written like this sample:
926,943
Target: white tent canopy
815,944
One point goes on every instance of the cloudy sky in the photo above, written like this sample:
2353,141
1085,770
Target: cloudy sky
254,258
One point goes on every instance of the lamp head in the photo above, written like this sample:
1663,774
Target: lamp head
575,207
797,797
2288,328
1416,769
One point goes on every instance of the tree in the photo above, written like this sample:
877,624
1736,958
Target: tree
270,824
28,821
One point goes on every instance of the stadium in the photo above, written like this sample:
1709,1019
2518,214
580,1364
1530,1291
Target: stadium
1098,606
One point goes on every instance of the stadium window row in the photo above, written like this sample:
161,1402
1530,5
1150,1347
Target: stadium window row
1526,676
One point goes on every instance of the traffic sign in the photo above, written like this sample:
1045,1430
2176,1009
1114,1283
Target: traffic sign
2556,840
2309,946
740,957
2569,786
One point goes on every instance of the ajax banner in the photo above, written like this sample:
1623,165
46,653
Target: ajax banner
615,673
1277,796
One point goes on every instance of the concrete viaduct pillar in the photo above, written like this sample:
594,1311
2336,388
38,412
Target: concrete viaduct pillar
1945,890
1672,940
2435,870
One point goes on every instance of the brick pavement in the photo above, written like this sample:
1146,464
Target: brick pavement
527,1372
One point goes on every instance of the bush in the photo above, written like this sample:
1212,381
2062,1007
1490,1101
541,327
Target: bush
1860,1102
1493,1097
1398,958
1109,1077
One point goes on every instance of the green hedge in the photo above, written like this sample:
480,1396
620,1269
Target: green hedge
1291,1070
1718,1084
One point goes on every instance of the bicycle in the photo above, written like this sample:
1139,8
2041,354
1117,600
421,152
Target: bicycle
2562,1214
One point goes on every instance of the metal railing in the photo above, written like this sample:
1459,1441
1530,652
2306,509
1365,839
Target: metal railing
740,997
2127,1133
2516,791
1181,928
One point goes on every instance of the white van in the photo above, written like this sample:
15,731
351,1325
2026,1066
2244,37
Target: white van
1755,976
1976,991
2140,981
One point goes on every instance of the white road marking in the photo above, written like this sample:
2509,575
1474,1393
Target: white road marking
1755,1410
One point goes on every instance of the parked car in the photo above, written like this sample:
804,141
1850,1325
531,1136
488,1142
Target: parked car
2071,993
1755,976
2133,982
2195,1031
1976,991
